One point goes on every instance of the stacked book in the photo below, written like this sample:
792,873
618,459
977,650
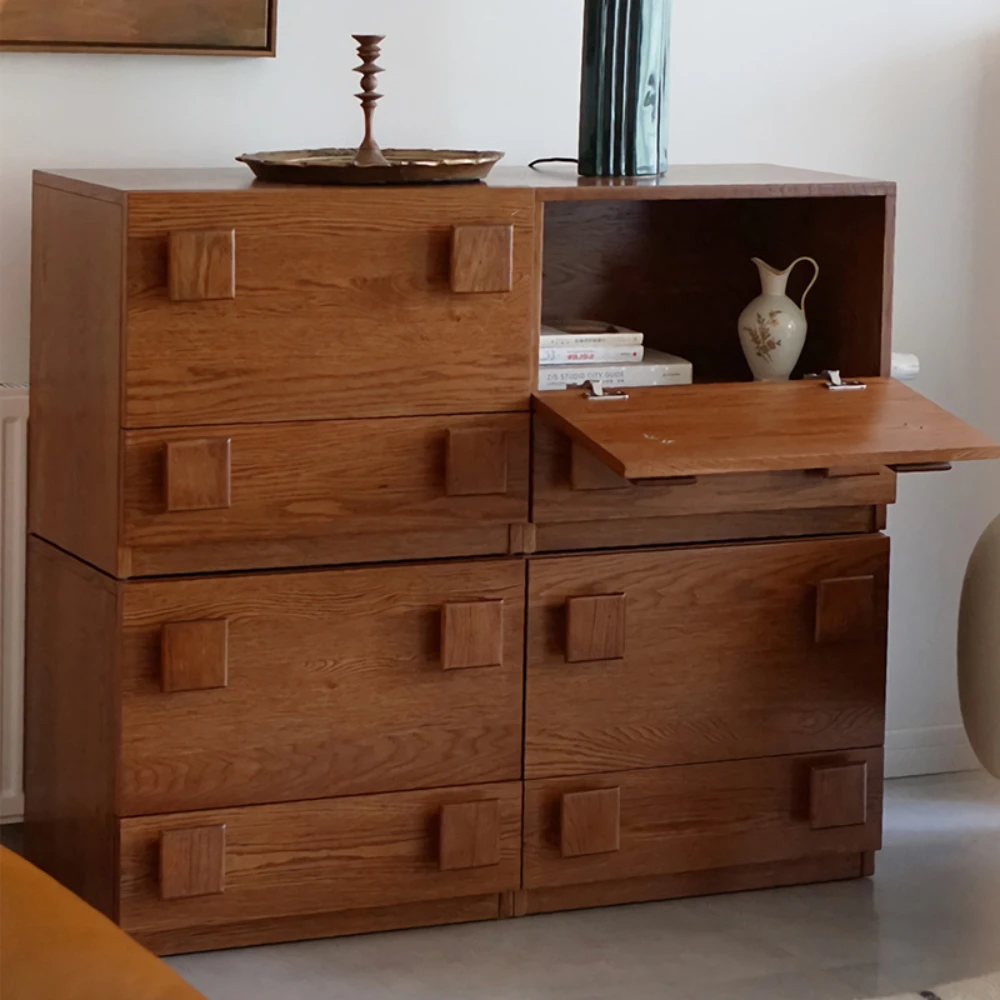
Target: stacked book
576,351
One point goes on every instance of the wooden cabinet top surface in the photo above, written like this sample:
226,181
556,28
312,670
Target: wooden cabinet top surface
550,182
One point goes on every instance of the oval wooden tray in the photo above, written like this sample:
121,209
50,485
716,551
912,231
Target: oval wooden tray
337,166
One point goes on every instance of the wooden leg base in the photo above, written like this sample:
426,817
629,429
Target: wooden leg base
702,883
275,930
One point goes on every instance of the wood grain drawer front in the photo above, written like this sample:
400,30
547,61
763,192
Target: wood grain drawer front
317,857
305,685
270,305
717,653
345,479
572,485
660,821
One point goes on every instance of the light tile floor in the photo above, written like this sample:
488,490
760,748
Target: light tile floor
931,915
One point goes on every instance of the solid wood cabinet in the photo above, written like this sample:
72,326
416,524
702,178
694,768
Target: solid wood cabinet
751,429
298,858
325,683
570,484
336,626
343,304
718,657
663,821
240,496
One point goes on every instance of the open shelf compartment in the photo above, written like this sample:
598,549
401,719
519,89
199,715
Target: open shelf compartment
680,272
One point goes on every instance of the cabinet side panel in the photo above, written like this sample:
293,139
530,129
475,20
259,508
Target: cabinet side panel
71,724
76,310
888,284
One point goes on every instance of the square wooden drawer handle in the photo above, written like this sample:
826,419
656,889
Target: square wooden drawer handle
202,265
595,628
838,796
193,862
845,609
470,835
590,822
472,635
194,656
197,474
482,259
476,462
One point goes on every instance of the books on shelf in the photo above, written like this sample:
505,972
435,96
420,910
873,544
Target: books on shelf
601,353
656,368
571,352
586,333
584,341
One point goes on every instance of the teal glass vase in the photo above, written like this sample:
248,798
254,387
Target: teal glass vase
623,91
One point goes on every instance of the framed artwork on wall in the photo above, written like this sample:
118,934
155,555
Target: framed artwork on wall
207,27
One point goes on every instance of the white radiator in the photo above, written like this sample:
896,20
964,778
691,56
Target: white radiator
13,527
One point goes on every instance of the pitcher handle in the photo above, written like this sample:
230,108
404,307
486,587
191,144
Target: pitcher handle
811,283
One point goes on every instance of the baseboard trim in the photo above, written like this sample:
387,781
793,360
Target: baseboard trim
11,807
931,750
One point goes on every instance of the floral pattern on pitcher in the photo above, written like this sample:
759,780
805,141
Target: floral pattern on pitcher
762,336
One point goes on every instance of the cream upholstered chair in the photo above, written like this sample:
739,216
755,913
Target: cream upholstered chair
979,649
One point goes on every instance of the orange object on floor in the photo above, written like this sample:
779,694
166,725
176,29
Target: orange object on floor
53,946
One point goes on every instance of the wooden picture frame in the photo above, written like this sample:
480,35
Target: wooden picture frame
191,27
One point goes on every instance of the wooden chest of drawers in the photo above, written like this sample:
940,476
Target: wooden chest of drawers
333,629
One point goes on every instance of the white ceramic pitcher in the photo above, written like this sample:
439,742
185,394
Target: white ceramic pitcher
773,328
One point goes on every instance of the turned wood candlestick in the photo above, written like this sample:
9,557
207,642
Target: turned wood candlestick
369,155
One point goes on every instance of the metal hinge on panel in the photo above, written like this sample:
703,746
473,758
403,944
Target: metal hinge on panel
834,381
595,390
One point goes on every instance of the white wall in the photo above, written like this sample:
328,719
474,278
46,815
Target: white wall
903,89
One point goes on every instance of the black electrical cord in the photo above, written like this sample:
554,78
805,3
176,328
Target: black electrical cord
552,159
